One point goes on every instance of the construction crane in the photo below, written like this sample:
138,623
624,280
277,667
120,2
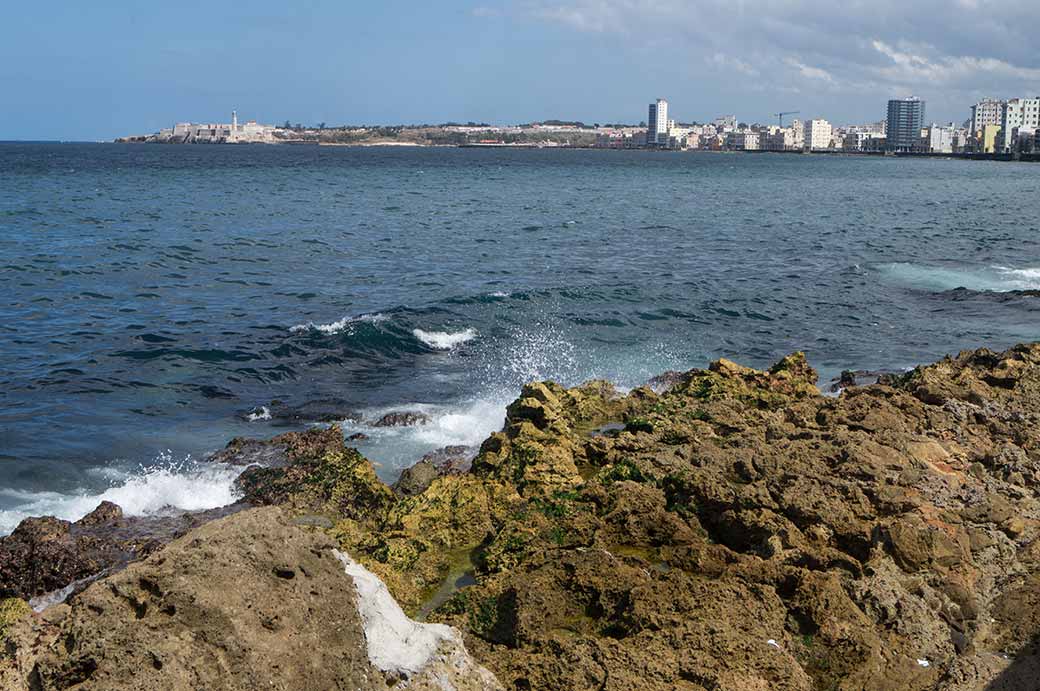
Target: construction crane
780,116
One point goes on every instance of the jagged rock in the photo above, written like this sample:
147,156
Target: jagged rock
451,459
43,555
282,450
738,530
407,418
245,602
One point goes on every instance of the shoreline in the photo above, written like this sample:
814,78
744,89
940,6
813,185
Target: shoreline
718,499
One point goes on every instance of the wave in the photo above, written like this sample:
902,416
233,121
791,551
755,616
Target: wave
995,278
259,413
346,324
464,424
443,340
186,485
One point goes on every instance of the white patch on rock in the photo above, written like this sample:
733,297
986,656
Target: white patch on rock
395,643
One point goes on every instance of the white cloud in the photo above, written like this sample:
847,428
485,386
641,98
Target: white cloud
808,71
732,63
912,67
948,52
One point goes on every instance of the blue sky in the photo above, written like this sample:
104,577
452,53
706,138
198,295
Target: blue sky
93,70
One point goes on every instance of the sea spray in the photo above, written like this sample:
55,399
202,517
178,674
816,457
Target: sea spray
444,340
165,484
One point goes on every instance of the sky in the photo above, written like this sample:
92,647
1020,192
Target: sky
79,70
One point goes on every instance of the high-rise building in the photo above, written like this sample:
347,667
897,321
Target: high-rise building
657,124
905,120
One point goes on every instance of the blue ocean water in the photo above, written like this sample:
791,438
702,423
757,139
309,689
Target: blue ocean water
152,297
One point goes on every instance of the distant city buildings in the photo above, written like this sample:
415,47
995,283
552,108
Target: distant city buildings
230,133
905,122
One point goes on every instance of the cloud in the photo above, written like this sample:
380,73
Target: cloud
951,51
736,64
911,67
808,71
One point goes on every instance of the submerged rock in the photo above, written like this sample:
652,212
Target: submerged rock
405,418
246,602
319,410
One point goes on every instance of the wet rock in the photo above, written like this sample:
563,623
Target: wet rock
280,413
249,601
661,383
407,418
358,436
861,377
449,460
47,554
316,473
283,450
416,479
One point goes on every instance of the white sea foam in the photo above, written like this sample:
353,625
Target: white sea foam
444,340
346,324
983,278
186,485
258,414
463,424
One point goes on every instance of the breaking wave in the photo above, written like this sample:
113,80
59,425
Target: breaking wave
166,484
443,340
346,324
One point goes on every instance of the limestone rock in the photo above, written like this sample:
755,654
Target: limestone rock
250,601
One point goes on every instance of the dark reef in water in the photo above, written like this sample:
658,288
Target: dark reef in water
727,528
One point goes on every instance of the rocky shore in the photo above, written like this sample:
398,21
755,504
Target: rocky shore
726,528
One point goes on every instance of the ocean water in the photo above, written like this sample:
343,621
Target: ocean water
154,299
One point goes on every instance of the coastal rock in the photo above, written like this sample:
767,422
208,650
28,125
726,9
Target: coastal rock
738,531
250,601
279,413
406,418
283,450
451,459
415,479
12,611
742,531
44,555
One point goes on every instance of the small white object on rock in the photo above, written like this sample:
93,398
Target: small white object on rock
773,643
924,663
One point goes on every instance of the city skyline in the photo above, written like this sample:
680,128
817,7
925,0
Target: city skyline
76,72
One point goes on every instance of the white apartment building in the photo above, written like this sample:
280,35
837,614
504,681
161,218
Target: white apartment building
817,135
1021,115
988,111
939,140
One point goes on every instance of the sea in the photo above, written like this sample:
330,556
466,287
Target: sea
155,300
